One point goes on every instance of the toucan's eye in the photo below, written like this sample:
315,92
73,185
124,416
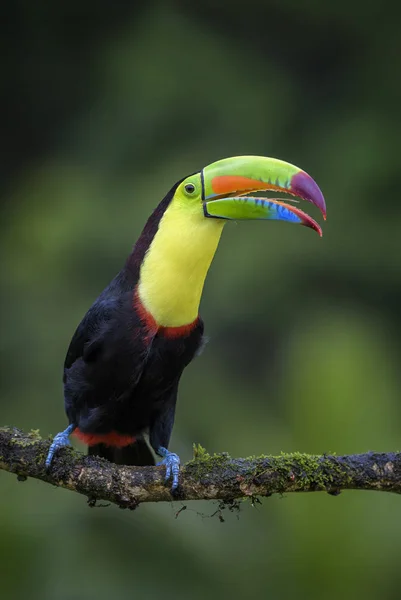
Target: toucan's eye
190,188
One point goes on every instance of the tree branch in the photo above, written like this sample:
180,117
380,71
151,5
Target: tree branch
206,477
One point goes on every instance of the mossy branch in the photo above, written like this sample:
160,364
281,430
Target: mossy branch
206,477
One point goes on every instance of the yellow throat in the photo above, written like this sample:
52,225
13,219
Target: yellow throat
175,266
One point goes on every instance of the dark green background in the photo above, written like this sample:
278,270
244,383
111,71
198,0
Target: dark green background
103,107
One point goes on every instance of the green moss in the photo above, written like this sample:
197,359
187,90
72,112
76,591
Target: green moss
28,440
309,471
199,452
20,438
40,458
36,434
293,470
305,467
203,462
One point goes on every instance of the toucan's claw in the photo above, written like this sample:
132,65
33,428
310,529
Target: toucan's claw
60,440
172,464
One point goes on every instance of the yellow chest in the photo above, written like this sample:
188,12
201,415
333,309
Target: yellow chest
173,272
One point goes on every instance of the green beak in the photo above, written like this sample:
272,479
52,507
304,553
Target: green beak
226,183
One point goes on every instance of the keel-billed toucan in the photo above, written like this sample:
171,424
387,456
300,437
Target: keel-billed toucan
125,360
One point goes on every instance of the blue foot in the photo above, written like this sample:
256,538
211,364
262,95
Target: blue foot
172,462
60,440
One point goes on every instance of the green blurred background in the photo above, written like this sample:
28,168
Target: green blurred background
103,107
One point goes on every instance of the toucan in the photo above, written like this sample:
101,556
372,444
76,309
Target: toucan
125,360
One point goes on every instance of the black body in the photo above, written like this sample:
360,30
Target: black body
117,377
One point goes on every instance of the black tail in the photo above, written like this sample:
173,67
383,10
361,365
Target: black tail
138,454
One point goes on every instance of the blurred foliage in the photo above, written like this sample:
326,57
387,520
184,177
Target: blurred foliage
104,106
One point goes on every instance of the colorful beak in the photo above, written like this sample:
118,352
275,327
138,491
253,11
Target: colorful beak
226,183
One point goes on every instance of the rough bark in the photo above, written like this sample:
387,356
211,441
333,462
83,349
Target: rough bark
206,477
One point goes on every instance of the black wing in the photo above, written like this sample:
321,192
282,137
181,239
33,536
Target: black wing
103,310
104,363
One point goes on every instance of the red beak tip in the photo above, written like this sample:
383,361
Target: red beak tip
317,228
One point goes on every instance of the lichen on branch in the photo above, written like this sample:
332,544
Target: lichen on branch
205,477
